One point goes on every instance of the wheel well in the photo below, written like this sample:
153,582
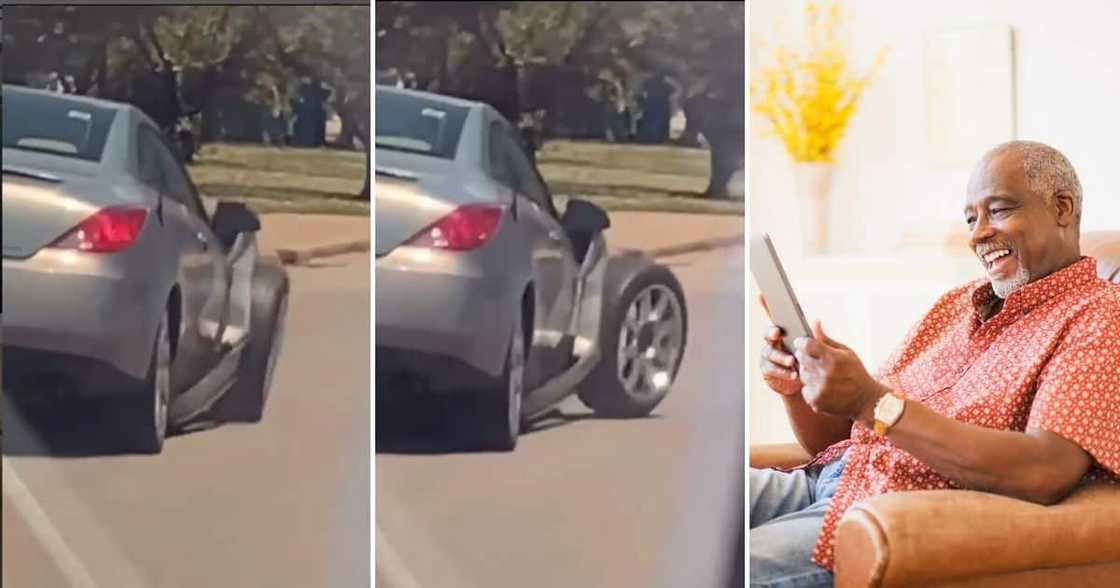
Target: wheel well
174,316
528,308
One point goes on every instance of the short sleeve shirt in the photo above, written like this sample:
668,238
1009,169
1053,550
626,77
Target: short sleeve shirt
1049,360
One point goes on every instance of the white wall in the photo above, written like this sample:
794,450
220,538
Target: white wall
1067,72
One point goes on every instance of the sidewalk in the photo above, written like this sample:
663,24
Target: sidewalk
305,231
657,232
298,237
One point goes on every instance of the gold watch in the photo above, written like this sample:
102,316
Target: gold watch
887,412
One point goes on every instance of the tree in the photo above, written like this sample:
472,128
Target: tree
700,46
175,62
64,42
328,43
567,58
140,54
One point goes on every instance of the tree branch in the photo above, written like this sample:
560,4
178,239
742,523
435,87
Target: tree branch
283,55
493,41
594,26
149,29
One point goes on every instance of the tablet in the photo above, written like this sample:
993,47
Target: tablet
785,312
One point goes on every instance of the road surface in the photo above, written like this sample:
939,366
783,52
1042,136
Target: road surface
582,501
281,503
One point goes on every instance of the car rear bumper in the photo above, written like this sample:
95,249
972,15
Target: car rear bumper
64,304
439,304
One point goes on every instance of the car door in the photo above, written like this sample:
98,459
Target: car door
204,276
554,262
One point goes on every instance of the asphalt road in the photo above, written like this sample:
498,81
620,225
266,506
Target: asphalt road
281,503
582,501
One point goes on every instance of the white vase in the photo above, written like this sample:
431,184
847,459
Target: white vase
814,183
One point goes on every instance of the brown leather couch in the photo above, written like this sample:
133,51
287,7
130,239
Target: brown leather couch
963,538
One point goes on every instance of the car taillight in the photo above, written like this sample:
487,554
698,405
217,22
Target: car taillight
107,230
465,228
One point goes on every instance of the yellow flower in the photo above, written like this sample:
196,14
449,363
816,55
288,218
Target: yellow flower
809,99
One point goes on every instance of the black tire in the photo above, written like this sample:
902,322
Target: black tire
151,406
500,406
245,400
605,390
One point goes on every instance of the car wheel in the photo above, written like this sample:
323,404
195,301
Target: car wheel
642,340
152,404
245,400
501,406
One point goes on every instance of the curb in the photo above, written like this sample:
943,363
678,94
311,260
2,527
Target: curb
303,256
696,246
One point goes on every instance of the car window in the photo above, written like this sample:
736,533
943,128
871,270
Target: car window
528,180
416,124
35,121
500,168
178,183
146,146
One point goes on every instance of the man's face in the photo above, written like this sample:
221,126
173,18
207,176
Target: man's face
1015,231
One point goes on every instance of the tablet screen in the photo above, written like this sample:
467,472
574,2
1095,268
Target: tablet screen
785,312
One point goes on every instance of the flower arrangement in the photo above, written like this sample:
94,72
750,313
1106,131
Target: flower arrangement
809,98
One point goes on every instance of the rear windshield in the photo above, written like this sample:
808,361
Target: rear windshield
56,125
418,125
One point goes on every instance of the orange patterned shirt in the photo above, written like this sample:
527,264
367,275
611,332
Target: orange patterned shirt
1049,359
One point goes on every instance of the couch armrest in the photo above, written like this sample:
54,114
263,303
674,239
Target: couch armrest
926,537
785,455
1105,246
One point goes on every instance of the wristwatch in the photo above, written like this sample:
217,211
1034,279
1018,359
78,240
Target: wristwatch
887,412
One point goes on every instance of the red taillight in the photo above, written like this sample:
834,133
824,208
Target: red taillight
107,230
465,228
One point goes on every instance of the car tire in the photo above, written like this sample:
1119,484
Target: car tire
642,339
244,401
500,418
151,407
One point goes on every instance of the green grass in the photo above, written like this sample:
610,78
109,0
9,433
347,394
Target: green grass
662,178
327,181
283,179
656,203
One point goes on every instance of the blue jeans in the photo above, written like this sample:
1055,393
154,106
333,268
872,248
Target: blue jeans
787,510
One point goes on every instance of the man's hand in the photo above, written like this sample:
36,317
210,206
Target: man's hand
835,381
779,368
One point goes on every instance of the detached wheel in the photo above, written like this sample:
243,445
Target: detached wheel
151,407
244,402
500,406
643,337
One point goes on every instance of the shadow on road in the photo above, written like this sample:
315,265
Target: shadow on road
74,428
437,426
62,429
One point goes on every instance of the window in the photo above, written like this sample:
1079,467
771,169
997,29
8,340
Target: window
178,184
150,174
528,180
415,124
55,124
500,168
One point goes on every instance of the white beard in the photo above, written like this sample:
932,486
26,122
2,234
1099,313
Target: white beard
1004,288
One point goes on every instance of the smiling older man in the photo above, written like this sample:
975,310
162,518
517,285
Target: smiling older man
1010,384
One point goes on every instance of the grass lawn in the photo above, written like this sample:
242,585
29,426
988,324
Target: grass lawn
632,177
327,181
283,179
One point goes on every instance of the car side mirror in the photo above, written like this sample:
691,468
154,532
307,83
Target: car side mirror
583,221
581,216
232,219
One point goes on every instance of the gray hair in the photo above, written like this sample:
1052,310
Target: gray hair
1046,168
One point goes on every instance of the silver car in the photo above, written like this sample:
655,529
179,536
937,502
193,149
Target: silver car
484,288
117,283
